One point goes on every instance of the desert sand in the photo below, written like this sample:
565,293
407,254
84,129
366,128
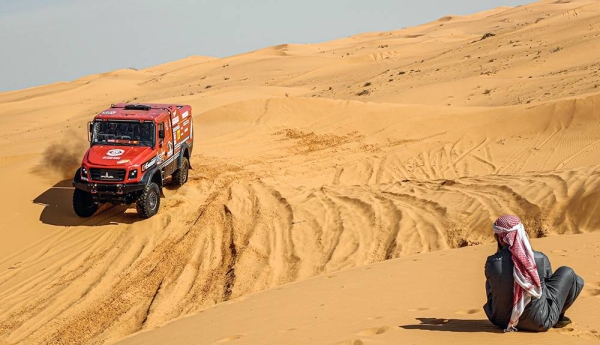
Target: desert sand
341,192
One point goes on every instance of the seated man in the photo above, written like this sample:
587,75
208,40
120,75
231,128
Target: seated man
521,288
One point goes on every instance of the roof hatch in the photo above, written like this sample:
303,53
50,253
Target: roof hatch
137,107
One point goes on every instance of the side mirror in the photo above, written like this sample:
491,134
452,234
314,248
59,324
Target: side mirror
90,131
161,133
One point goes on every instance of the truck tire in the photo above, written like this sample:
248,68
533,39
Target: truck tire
148,203
83,203
181,175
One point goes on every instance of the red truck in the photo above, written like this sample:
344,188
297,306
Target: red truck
134,148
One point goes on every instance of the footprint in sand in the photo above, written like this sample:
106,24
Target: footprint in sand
228,339
593,292
418,309
351,342
288,330
560,252
575,331
15,265
375,331
375,318
592,289
468,312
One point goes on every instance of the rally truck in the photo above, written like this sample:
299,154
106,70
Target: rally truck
134,148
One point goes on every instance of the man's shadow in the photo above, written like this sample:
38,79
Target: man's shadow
454,325
58,209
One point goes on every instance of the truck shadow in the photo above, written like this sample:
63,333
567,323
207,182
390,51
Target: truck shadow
58,209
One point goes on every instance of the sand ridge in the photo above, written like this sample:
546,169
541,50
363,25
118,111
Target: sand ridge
313,159
341,308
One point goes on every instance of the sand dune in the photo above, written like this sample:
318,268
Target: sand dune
318,161
340,308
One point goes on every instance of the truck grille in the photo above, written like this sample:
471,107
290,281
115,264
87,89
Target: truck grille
107,188
107,174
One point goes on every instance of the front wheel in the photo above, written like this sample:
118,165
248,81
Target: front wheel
181,175
83,203
147,204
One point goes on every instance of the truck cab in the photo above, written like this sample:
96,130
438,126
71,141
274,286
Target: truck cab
134,148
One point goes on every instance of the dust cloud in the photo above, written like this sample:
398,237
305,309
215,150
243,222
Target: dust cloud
62,157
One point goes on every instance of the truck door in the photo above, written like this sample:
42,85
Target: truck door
165,148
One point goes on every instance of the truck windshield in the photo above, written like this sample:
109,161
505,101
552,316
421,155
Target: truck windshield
129,133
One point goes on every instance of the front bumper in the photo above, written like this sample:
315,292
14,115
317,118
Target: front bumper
116,193
109,188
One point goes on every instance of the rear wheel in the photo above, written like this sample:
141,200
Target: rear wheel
181,175
83,203
147,204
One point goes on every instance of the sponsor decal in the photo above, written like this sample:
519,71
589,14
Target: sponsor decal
107,157
184,115
175,128
108,112
175,120
178,134
123,161
180,143
170,152
148,164
185,123
115,152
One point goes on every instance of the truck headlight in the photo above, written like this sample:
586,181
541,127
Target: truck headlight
84,174
133,174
